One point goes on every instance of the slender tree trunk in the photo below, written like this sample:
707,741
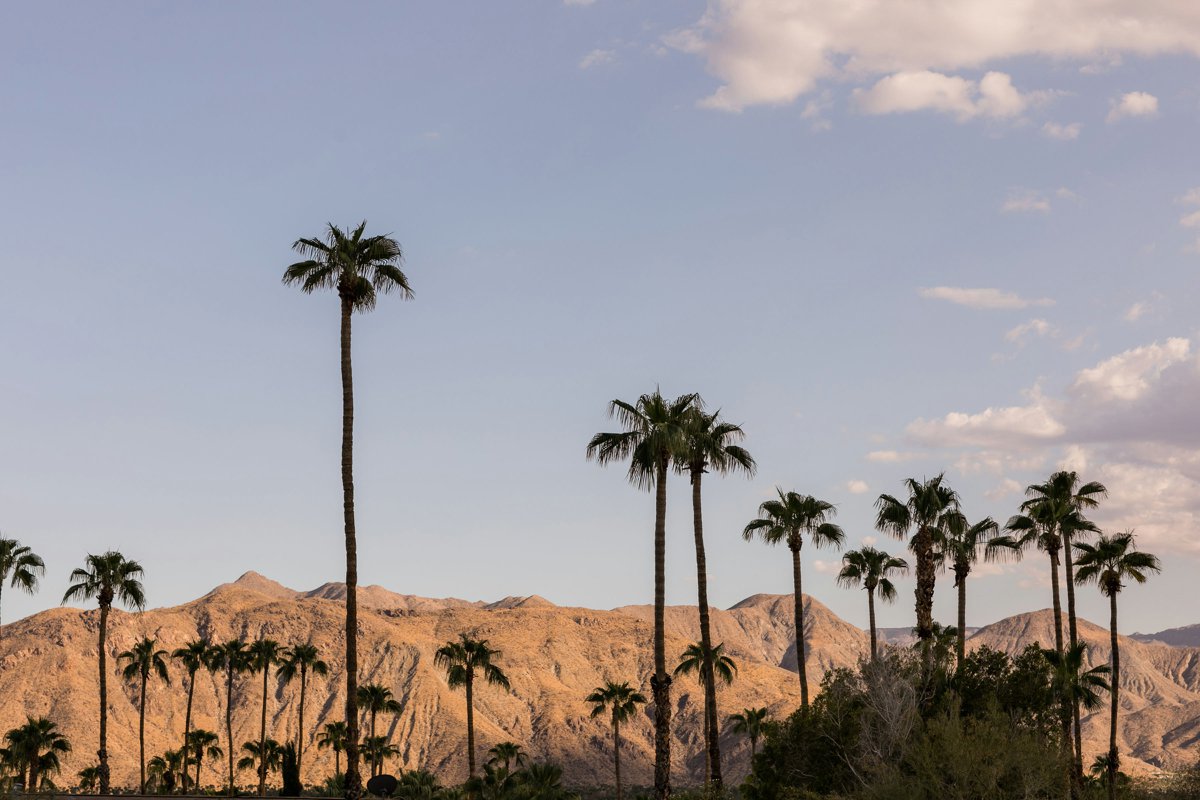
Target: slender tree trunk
753,750
470,727
262,736
187,727
34,774
102,753
874,645
711,731
142,735
1113,756
960,581
1058,627
1065,712
337,763
199,761
229,723
374,761
661,682
353,779
617,756
300,732
801,658
1069,569
926,577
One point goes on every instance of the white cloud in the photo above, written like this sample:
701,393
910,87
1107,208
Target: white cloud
857,487
869,541
1130,375
1132,104
992,427
770,52
993,96
826,567
1064,133
1034,327
1191,219
981,298
597,58
889,456
1026,201
1007,488
578,2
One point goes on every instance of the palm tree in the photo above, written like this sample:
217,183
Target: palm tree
544,782
709,663
107,577
203,744
1108,564
143,659
655,433
508,755
263,756
418,784
232,657
787,520
358,268
193,656
1072,685
461,660
924,513
35,747
711,446
620,702
959,547
20,566
870,568
264,654
374,698
333,737
88,777
375,749
301,659
165,769
750,722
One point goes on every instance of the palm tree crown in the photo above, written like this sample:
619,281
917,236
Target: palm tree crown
792,516
358,267
870,568
144,659
655,432
20,566
462,659
618,700
1111,561
693,660
108,577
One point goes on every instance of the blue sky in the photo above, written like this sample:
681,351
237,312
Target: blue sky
886,247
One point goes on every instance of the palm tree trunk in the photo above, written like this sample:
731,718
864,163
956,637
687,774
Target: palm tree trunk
926,577
187,727
262,737
874,646
229,724
617,756
470,728
753,750
199,761
142,734
1113,756
33,775
661,682
801,667
710,679
337,763
1065,713
300,732
960,580
374,761
102,753
1069,569
1058,627
353,779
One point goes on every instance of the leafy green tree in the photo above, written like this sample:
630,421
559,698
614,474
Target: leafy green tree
34,750
620,702
359,268
264,757
107,578
333,737
923,512
263,655
871,569
1109,563
462,660
655,435
711,446
142,660
750,722
203,744
508,755
300,660
193,656
233,658
789,519
20,567
959,548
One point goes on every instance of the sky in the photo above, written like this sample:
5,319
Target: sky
889,240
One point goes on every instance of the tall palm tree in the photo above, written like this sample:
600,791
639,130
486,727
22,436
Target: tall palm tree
301,659
1108,564
108,577
871,568
193,656
1072,686
233,658
789,519
333,737
141,660
374,698
959,548
655,433
20,566
203,744
620,702
359,268
263,756
461,660
924,513
750,721
711,446
35,747
264,654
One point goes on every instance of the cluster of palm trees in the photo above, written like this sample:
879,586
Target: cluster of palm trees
660,435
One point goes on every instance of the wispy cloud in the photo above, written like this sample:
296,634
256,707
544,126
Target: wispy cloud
596,58
984,298
1132,104
1063,133
1026,201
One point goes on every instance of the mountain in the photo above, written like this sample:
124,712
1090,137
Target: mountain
1187,636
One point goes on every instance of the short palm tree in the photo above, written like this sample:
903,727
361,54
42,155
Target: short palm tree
377,749
959,548
89,778
374,698
35,747
507,755
333,737
789,519
711,446
1072,686
418,784
203,744
709,664
20,567
264,654
654,435
359,268
300,660
142,660
462,659
232,658
193,656
750,722
1109,563
108,578
164,771
620,702
263,757
923,513
871,569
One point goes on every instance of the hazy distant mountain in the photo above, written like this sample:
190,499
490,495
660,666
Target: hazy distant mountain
1187,636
